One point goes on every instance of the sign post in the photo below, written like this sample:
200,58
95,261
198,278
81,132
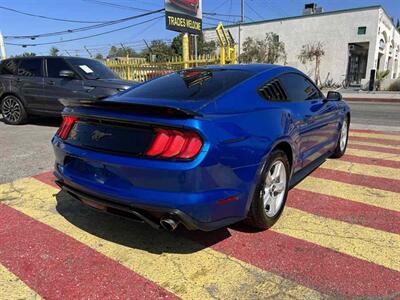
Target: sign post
184,16
2,47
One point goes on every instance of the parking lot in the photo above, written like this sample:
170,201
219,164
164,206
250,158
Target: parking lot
339,235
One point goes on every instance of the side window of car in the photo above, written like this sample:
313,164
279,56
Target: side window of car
55,66
30,67
273,90
9,67
299,88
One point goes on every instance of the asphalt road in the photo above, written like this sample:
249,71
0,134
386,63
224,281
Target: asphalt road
376,114
26,150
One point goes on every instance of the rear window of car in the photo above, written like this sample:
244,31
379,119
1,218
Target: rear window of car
192,84
30,67
9,67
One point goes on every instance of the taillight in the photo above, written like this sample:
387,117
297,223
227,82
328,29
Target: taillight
66,126
175,144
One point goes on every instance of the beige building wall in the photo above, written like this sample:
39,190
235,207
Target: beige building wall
336,30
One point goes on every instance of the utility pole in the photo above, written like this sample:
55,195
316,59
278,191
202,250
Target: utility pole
195,48
87,50
2,47
241,21
185,50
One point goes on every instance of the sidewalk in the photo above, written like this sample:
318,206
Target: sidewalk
381,97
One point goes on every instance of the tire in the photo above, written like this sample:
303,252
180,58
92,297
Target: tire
262,214
341,145
13,111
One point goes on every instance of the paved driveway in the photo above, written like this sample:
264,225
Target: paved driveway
339,236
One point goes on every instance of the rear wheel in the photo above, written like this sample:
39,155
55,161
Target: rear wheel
13,111
342,141
271,193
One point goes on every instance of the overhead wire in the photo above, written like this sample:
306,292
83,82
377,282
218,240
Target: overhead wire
254,11
116,5
50,18
85,28
85,37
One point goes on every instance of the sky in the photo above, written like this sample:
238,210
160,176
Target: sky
228,11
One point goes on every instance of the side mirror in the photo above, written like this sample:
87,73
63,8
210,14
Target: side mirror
67,74
334,96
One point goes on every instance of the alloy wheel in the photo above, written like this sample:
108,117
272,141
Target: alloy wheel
11,109
343,136
275,188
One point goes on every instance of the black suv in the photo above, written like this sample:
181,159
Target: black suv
33,85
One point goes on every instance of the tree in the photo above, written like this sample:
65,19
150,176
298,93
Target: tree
380,76
313,52
54,51
99,56
25,54
398,25
158,50
269,50
121,52
203,47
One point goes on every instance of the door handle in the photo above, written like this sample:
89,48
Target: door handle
51,82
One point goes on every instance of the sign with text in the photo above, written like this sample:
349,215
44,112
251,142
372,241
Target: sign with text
184,15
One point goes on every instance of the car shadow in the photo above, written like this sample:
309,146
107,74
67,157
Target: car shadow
40,121
133,234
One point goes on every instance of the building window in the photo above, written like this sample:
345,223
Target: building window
382,44
362,30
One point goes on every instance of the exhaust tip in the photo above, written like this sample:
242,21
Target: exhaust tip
169,224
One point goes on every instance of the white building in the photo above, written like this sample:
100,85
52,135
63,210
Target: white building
355,41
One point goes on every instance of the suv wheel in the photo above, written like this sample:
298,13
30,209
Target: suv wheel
271,193
13,111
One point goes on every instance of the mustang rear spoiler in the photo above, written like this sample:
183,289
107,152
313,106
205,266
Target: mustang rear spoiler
131,107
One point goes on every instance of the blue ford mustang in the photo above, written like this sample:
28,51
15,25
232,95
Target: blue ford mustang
204,147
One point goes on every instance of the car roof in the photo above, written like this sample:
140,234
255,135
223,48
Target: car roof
254,68
47,56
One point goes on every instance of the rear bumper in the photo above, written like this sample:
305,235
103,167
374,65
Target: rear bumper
189,192
148,214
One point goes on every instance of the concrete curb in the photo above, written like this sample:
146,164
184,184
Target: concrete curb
376,100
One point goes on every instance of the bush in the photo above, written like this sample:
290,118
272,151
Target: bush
394,86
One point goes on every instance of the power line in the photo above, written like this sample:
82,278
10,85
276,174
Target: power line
222,4
49,18
82,28
86,37
220,20
117,5
254,11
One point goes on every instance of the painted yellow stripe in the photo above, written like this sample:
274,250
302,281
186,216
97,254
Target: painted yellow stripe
373,154
366,195
11,287
362,169
376,135
378,247
352,142
183,267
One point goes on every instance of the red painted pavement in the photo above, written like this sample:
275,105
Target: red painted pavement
345,210
58,267
317,267
372,161
395,133
374,140
391,185
374,148
314,266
